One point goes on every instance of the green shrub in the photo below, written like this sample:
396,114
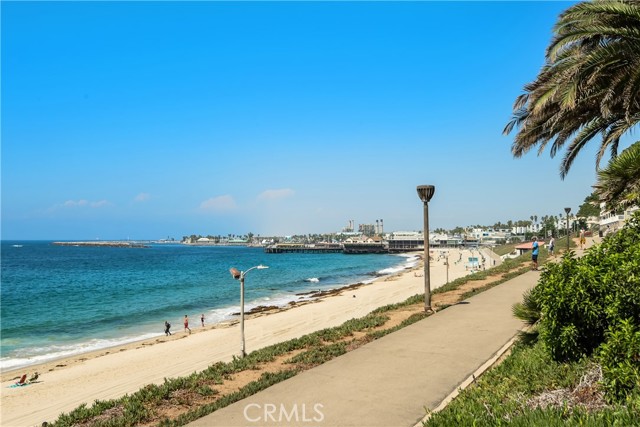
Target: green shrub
592,305
620,359
580,299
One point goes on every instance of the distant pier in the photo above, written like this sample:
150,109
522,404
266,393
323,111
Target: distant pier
365,248
347,248
104,244
284,248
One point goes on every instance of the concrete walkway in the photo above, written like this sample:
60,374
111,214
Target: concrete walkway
390,382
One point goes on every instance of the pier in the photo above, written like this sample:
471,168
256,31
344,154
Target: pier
284,248
366,248
347,248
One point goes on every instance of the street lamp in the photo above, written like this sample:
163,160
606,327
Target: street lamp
567,210
239,275
425,192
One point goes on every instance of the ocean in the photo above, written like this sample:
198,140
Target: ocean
58,301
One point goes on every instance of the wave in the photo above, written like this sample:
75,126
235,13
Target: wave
409,262
53,352
144,317
390,270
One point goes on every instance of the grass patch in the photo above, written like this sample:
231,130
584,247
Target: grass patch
504,249
529,388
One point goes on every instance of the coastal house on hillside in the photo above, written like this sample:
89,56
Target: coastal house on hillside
611,222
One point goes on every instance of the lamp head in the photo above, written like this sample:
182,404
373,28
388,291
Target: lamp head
425,192
567,210
235,273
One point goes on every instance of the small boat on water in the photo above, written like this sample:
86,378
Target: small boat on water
17,246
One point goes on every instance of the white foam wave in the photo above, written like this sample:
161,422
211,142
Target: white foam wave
409,261
219,315
53,352
390,270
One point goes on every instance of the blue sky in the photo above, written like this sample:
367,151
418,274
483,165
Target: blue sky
154,119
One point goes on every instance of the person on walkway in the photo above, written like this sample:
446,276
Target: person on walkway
582,238
202,319
534,253
186,324
552,245
167,326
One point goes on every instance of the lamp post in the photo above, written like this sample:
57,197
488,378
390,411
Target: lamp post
425,192
567,210
239,275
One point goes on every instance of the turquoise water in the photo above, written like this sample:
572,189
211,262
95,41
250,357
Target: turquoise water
58,301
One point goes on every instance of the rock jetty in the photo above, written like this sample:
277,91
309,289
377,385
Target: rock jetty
104,244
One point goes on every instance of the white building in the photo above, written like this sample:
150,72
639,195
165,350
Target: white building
613,221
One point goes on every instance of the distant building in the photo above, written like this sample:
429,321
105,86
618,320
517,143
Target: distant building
613,221
367,229
237,242
364,245
401,241
526,247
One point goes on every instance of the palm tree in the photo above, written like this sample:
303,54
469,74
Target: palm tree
619,183
530,312
589,85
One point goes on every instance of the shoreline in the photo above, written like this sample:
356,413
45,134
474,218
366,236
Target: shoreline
113,372
144,337
313,297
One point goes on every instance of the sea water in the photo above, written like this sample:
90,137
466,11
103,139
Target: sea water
58,301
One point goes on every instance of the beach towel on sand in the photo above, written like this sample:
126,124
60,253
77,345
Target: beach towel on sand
18,385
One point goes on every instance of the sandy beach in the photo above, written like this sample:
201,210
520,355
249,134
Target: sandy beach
67,383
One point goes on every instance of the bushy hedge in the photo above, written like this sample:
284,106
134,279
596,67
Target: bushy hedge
620,359
591,305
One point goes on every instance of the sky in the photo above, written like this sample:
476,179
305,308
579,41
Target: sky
151,120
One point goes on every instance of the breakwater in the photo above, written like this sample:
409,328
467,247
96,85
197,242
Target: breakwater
106,244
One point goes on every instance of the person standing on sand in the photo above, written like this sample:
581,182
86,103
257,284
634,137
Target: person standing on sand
534,253
552,245
186,324
202,319
167,326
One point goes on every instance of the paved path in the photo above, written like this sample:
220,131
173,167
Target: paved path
390,381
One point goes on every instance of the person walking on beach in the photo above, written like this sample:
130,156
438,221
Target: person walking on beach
167,326
552,245
202,319
186,324
534,253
